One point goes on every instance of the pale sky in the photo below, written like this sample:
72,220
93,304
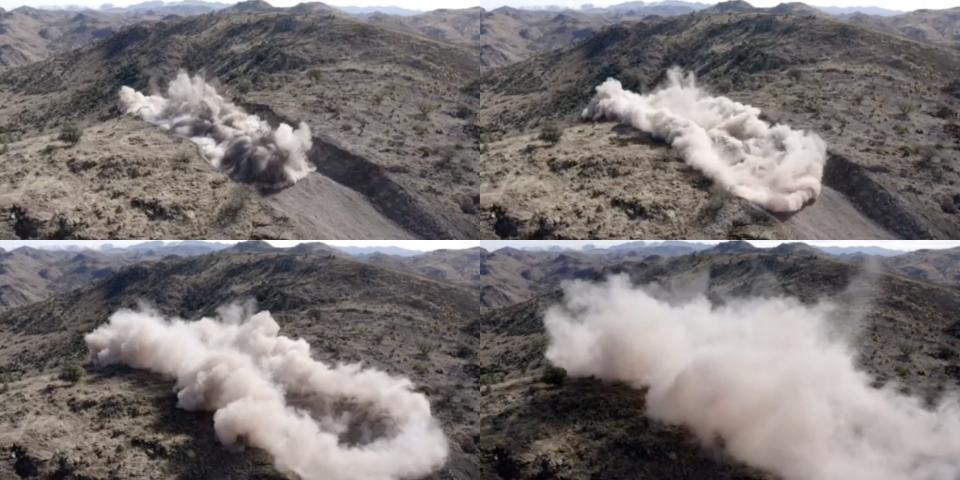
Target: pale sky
427,245
491,4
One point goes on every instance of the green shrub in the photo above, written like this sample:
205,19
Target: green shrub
244,85
554,375
550,133
424,349
70,133
425,108
906,108
71,373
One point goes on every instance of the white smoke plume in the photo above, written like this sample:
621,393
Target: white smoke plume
267,391
775,166
769,377
244,146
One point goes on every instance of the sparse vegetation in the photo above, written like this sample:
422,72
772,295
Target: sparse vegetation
944,112
70,133
244,85
71,373
424,349
426,108
554,375
795,75
230,209
906,108
490,379
550,134
906,351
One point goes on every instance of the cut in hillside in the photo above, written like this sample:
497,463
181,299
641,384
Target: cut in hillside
393,145
889,172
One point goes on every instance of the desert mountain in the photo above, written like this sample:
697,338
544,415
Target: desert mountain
30,34
534,423
935,266
461,267
889,173
392,120
510,276
124,422
510,35
939,27
29,275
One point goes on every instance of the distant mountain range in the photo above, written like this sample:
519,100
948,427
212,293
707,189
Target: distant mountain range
665,8
663,248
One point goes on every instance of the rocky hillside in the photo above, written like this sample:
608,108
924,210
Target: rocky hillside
891,168
939,27
28,275
29,34
393,122
457,266
537,425
104,423
511,35
937,266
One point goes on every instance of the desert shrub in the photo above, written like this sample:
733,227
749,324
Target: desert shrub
550,133
723,85
244,85
554,375
71,373
230,209
952,88
944,112
906,351
906,108
424,349
425,108
948,205
70,133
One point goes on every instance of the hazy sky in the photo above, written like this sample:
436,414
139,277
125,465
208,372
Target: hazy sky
490,4
426,245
